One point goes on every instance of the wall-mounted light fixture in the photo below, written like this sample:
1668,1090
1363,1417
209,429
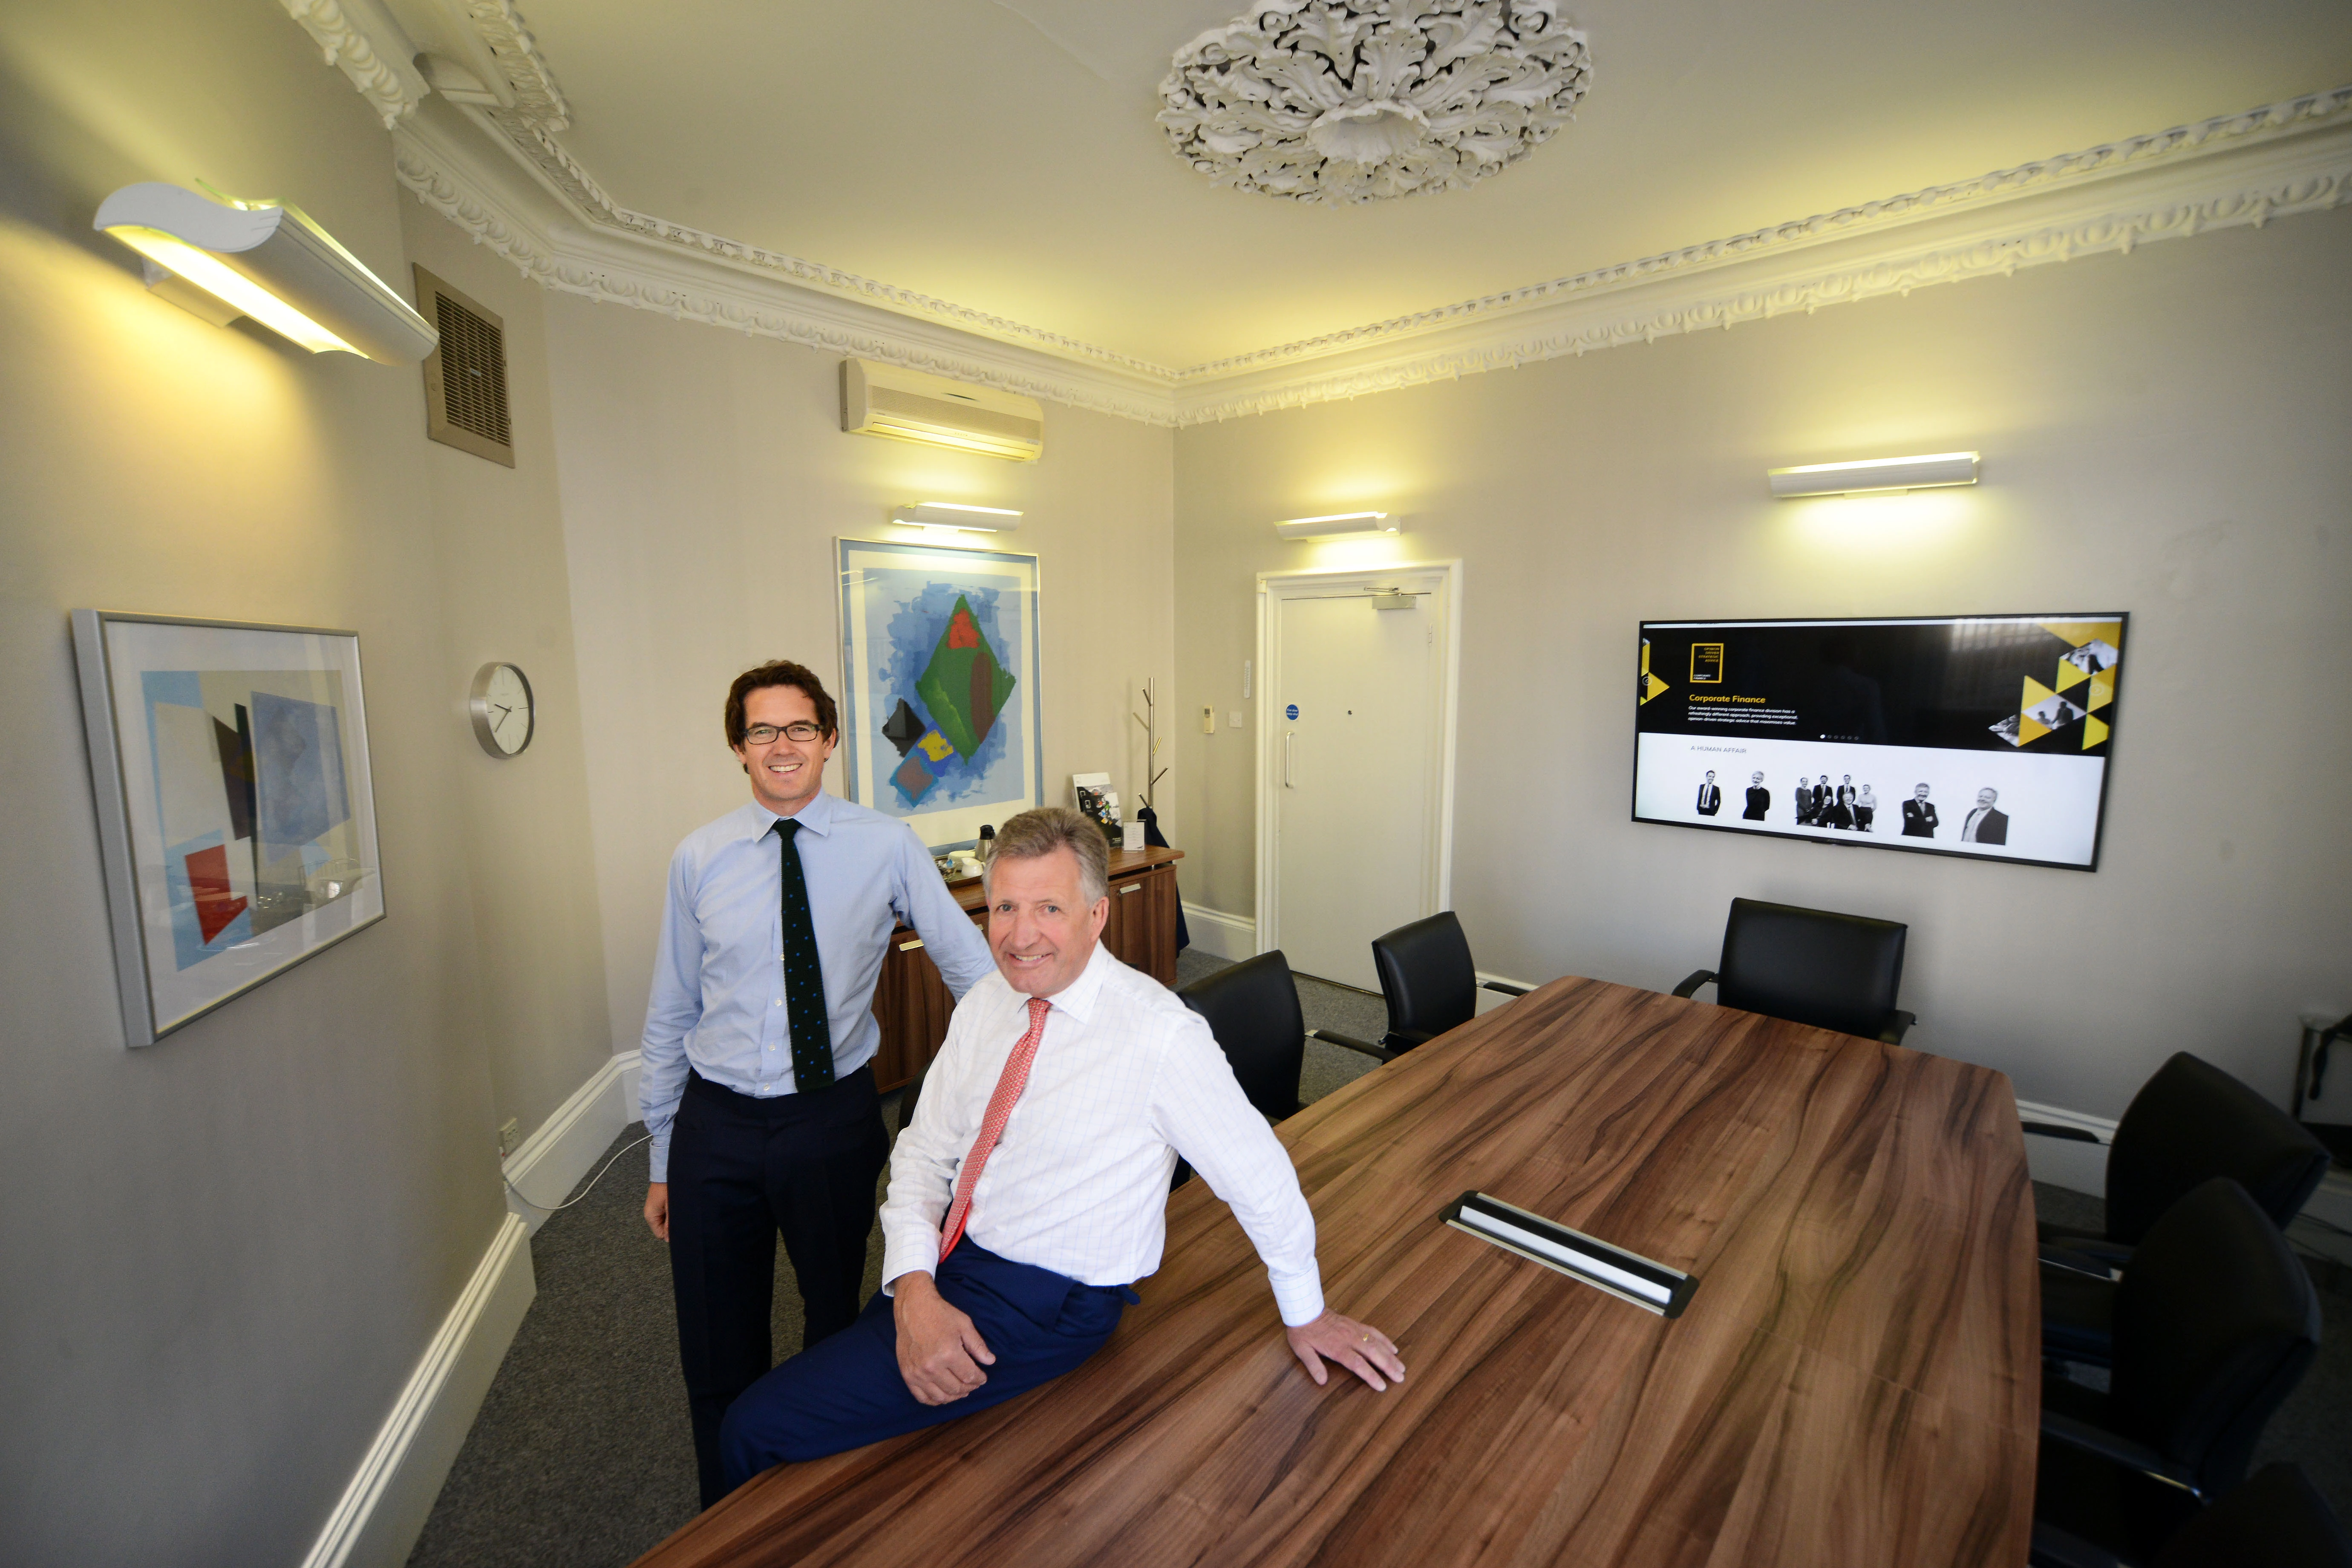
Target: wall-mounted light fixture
1874,476
266,261
1338,525
951,516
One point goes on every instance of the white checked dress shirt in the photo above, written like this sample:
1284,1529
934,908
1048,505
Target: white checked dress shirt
1125,1079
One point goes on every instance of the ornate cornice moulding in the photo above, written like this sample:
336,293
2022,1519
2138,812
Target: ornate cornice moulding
561,174
2131,155
2229,171
367,47
611,269
1644,314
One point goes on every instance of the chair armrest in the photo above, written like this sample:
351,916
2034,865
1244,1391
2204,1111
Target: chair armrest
1506,990
2078,1263
1898,1024
2117,1451
1698,977
1405,1040
1350,1042
2051,1130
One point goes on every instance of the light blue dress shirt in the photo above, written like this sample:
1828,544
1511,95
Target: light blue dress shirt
718,1001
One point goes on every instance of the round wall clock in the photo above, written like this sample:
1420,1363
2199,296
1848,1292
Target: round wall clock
504,716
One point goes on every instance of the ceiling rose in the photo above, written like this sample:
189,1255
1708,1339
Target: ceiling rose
1356,100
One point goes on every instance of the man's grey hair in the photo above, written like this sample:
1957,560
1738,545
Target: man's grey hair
1041,832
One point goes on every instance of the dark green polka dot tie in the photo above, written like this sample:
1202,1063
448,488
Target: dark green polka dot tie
804,976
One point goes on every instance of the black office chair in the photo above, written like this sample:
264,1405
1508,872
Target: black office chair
1810,966
1252,1008
2277,1520
2189,1123
2215,1322
1428,982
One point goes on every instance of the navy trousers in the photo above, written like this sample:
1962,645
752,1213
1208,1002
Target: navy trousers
742,1169
847,1392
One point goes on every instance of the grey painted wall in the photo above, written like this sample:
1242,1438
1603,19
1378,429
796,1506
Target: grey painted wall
506,596
224,1253
705,477
2163,432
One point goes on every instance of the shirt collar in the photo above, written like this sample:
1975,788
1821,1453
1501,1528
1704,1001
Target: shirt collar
1078,998
815,817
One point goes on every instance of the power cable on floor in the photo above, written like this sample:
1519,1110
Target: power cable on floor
551,1208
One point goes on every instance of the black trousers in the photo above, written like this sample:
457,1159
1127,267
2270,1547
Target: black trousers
740,1171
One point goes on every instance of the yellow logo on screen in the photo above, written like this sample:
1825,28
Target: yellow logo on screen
1706,664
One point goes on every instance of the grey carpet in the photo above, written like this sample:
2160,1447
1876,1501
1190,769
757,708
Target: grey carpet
581,1456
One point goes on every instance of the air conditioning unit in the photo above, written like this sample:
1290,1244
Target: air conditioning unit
909,405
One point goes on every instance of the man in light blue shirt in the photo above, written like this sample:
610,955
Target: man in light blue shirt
757,1080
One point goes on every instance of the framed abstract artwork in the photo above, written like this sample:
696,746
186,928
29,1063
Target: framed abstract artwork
940,700
236,814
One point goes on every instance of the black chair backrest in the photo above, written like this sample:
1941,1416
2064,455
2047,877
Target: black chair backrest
2277,1520
1427,976
1810,966
2193,1121
2215,1322
1252,1008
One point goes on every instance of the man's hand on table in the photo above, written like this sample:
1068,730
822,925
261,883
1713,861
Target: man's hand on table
1358,1347
939,1351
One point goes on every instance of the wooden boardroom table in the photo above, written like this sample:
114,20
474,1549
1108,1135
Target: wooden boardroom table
1856,1381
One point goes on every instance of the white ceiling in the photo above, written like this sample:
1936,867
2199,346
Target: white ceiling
1002,153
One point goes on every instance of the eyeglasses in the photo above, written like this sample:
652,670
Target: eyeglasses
765,734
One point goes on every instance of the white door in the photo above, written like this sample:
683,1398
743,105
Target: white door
1354,804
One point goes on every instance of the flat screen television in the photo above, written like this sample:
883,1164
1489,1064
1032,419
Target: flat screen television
1985,736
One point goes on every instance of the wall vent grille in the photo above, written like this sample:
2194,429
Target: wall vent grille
466,376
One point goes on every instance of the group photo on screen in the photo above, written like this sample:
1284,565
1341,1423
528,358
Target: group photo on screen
1973,735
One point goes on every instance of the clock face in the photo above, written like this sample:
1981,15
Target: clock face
503,711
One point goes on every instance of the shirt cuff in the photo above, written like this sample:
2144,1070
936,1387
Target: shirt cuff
1300,1297
908,1254
657,1162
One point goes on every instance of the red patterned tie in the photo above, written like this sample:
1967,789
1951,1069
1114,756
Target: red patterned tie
1009,1085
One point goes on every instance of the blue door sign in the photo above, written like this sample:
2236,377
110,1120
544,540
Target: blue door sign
1291,711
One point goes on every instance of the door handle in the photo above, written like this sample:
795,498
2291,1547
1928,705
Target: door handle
1131,887
1286,738
910,945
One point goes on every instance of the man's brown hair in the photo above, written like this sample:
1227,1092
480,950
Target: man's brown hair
1041,832
777,672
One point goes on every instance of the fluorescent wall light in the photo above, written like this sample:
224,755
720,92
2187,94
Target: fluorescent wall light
953,515
1337,525
1874,475
268,262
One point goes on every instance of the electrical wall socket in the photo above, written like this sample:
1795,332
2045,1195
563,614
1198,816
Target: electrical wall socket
1234,717
510,1134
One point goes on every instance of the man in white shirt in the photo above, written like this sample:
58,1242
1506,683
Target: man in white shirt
1031,1188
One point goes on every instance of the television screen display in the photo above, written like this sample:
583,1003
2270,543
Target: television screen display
1978,735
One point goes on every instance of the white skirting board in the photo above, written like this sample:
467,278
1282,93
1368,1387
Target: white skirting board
384,1510
567,1146
1219,934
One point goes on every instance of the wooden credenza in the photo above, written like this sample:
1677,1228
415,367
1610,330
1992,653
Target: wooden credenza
912,1002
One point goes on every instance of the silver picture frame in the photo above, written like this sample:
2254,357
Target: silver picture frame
235,805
